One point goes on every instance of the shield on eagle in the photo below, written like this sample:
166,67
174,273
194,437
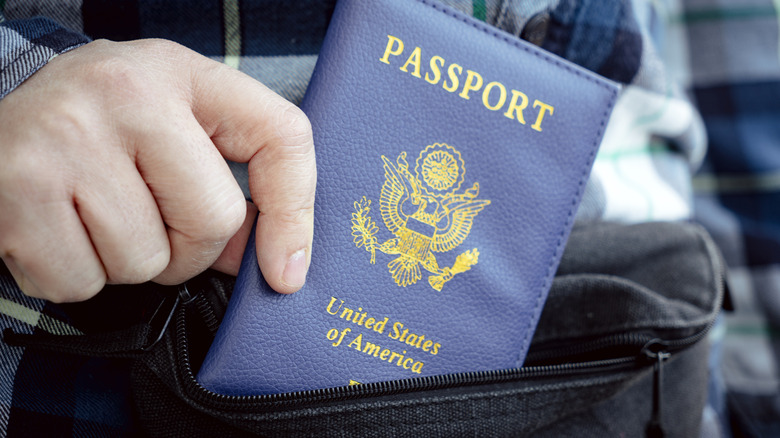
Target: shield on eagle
427,213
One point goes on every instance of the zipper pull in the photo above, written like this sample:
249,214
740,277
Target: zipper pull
202,306
654,427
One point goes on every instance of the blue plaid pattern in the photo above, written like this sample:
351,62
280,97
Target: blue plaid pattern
601,36
735,79
696,74
49,394
26,46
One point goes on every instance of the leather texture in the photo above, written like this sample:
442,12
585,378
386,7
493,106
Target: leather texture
445,156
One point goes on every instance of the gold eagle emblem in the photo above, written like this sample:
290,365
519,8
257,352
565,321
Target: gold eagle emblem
425,212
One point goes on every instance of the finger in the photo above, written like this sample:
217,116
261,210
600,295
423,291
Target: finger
230,260
22,280
47,248
197,196
123,221
285,200
250,123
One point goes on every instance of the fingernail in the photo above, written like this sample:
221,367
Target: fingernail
295,272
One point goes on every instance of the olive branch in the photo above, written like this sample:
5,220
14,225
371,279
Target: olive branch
363,227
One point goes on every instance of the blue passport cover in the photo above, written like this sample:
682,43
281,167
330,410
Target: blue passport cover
451,160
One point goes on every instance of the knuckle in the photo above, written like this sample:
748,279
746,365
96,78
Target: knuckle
169,51
109,70
123,75
219,217
292,218
163,46
293,150
294,128
101,44
228,219
68,127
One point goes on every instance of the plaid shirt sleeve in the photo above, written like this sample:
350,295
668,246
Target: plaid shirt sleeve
27,45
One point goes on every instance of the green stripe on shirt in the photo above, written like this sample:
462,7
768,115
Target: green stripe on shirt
726,14
480,10
232,21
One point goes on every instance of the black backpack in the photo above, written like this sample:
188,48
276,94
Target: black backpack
621,350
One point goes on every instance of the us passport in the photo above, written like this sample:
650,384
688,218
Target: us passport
451,161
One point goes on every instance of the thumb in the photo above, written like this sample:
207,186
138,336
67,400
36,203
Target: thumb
250,123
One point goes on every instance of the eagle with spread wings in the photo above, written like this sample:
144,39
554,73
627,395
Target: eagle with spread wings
426,214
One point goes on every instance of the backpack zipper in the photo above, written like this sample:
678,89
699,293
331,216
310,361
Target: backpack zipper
637,360
654,428
651,350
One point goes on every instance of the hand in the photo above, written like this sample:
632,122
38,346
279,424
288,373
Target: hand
112,171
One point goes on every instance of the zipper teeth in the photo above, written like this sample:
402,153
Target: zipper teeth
627,340
206,312
644,340
386,388
440,382
638,340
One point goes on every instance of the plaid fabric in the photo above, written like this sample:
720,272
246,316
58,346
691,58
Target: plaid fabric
720,54
26,46
49,394
735,78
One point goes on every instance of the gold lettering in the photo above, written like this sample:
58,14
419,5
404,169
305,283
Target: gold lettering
343,333
396,331
400,358
473,83
544,107
362,316
330,306
414,59
514,107
393,355
371,349
379,327
369,322
454,80
344,312
436,69
501,96
392,41
357,343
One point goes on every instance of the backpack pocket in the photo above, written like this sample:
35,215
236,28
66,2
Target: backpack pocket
620,348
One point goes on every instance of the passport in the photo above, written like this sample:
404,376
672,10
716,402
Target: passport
451,160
